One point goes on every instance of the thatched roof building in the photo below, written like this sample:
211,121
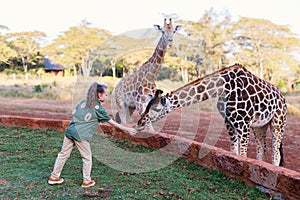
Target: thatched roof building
53,67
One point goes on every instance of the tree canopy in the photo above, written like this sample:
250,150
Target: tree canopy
264,46
208,44
75,47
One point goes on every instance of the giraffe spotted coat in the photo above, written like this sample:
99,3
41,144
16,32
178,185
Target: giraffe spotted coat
133,91
246,103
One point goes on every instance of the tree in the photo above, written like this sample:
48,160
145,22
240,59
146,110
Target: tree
265,47
27,46
6,53
183,65
207,41
113,50
75,48
133,59
179,57
132,49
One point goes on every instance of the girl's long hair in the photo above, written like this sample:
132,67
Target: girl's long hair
92,94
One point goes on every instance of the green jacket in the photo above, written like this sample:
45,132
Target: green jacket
85,121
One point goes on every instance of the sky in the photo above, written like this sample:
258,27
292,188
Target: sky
117,16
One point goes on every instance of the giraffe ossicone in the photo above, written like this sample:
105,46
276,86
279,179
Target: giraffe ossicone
246,103
132,92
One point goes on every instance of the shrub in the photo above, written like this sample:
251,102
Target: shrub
38,88
281,84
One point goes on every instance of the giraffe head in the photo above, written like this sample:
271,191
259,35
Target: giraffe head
154,112
168,31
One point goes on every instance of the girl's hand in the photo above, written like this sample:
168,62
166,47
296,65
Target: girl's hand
131,131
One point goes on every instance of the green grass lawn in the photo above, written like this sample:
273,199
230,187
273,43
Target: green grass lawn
27,157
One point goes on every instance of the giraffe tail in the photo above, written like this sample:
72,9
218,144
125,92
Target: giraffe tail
281,163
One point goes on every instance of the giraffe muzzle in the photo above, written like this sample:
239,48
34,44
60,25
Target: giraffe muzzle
170,43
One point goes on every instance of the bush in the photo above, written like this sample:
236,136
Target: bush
38,88
168,73
281,84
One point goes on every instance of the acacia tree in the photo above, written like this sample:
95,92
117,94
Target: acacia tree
75,48
180,56
134,48
207,40
265,47
113,50
27,46
180,64
6,53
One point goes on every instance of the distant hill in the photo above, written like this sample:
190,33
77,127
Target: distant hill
143,33
151,34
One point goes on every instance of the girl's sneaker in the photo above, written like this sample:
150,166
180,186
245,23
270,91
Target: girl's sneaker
54,181
88,184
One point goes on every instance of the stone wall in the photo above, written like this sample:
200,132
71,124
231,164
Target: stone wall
279,182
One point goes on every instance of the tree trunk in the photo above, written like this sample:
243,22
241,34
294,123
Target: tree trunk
113,68
75,71
86,66
184,75
290,85
25,66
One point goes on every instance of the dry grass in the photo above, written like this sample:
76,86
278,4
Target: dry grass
293,110
70,87
48,86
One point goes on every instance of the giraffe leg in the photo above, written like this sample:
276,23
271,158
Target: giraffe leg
244,139
125,112
118,118
118,99
260,139
129,114
122,113
234,140
244,144
277,134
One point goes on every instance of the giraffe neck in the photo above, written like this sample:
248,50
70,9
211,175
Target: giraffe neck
199,90
152,67
214,85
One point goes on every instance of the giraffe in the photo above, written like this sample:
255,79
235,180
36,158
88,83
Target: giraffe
246,103
133,91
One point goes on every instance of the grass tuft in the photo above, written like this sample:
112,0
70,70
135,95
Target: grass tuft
293,110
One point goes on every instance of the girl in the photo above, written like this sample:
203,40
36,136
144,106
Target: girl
85,120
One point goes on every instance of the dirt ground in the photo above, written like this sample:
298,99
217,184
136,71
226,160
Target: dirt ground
200,125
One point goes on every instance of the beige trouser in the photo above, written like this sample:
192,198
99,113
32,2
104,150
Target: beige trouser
66,149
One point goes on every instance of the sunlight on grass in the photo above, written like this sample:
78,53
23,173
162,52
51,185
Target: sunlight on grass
49,87
27,157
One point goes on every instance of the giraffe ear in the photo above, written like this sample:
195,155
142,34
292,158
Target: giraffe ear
157,27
